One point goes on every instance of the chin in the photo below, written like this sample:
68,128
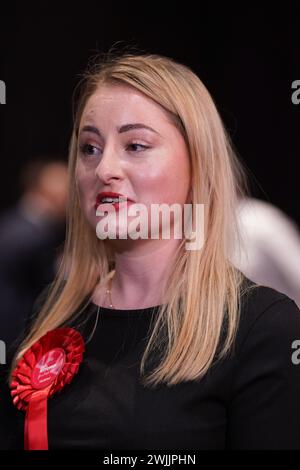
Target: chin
115,234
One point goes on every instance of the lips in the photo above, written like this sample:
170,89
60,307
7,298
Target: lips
110,194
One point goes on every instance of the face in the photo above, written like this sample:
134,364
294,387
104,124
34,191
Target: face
53,185
128,145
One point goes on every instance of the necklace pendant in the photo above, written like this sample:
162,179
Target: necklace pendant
108,292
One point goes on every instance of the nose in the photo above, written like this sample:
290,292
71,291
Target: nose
109,166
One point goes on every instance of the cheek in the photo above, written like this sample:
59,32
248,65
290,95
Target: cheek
167,182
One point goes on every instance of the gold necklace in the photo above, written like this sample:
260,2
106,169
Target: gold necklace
108,291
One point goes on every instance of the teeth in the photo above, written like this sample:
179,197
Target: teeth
112,199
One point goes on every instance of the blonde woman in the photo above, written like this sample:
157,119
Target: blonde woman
181,350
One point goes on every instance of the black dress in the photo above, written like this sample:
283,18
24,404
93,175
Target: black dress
249,400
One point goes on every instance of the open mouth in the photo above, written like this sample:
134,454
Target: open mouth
112,202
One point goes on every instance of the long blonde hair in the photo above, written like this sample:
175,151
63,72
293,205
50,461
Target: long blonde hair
203,290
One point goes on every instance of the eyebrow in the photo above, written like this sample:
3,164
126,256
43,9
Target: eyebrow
121,130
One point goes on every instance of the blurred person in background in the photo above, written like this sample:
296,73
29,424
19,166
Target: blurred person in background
30,235
270,254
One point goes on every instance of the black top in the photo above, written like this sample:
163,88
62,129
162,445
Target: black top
249,400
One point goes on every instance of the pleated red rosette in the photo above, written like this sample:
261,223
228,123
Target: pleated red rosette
44,370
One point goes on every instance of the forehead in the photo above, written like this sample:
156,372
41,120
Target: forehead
123,102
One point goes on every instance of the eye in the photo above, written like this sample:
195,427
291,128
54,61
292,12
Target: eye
135,147
90,150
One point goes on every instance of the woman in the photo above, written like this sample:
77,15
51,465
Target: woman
181,350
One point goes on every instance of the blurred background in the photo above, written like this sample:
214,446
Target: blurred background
246,56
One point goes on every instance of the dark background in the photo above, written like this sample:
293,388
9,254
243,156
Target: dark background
247,58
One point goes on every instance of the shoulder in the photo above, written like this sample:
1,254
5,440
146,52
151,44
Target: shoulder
39,303
265,386
268,315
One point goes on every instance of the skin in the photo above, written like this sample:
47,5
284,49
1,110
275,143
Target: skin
48,196
146,166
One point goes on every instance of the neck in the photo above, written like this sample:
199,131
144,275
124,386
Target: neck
140,273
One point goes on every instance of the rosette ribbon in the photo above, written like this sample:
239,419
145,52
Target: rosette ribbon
44,370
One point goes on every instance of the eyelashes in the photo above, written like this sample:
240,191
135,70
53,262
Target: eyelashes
89,150
133,146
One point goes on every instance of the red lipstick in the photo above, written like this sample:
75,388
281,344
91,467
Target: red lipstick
111,195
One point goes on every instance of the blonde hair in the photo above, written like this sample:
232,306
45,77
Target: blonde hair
203,289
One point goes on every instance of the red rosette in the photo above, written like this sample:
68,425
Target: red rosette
44,370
